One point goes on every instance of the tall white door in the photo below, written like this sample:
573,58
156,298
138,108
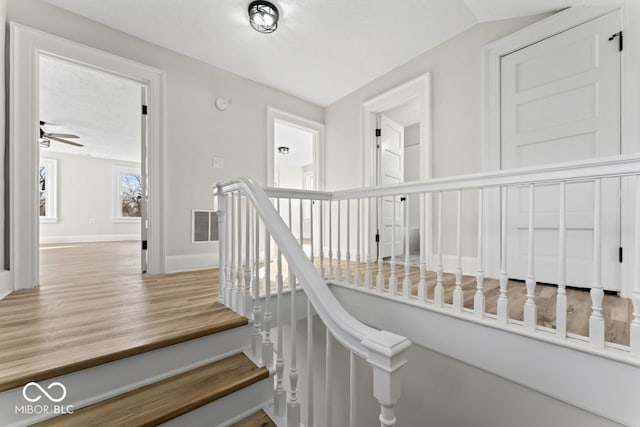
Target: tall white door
560,101
391,171
143,172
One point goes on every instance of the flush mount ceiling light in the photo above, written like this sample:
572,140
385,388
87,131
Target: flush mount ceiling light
283,150
263,16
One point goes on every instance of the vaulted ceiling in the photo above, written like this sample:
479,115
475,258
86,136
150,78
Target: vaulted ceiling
322,50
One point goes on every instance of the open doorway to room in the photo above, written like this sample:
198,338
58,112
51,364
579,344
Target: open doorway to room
398,159
92,179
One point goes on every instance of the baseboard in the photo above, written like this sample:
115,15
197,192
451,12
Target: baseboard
83,238
177,263
5,283
450,262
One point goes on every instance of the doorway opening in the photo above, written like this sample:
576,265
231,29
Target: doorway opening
92,174
397,148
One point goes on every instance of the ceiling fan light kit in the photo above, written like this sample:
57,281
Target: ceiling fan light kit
263,16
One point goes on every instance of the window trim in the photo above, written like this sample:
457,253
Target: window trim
51,216
115,199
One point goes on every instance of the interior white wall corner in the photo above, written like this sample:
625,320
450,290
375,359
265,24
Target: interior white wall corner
3,242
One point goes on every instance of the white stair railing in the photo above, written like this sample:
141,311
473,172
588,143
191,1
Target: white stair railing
384,351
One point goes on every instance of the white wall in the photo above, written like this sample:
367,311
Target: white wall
195,130
455,68
436,391
85,193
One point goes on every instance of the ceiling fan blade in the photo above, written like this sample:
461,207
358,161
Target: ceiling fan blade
61,135
64,141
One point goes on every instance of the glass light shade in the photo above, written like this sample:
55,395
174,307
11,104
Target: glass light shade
263,16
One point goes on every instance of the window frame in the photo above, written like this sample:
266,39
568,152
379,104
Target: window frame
117,216
51,215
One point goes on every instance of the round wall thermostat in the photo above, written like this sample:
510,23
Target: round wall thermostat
222,103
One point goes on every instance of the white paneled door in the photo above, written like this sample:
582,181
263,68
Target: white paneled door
560,102
391,171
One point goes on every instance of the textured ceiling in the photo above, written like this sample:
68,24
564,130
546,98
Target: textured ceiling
103,109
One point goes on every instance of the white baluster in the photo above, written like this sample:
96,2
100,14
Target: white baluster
328,387
267,344
229,247
438,296
530,309
310,414
635,295
393,280
339,277
368,233
321,238
256,338
293,405
503,301
356,278
458,296
406,283
247,303
238,296
478,298
596,321
233,289
422,284
222,239
279,394
353,386
561,299
348,254
331,276
311,255
379,276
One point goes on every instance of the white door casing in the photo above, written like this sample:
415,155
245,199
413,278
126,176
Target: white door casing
391,171
560,101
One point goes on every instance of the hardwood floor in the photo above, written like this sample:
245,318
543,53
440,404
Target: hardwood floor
94,307
167,399
259,419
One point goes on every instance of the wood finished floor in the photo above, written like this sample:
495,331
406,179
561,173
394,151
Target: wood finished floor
617,312
94,307
165,400
259,419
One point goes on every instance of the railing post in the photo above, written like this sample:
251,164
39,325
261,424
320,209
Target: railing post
406,283
503,301
222,243
356,278
530,309
380,275
256,347
229,271
321,238
438,296
348,254
478,299
393,281
293,405
280,394
596,321
387,354
267,344
331,276
368,246
635,296
458,303
339,277
239,299
561,298
248,301
233,289
422,284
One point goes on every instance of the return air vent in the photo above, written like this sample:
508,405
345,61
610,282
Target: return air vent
204,226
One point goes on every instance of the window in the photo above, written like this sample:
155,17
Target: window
48,190
127,203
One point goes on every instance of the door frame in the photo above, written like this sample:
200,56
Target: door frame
27,44
491,80
316,128
417,88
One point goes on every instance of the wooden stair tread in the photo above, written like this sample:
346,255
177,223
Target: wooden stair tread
259,419
162,401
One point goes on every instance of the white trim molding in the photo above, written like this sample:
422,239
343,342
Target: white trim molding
27,45
316,128
193,262
87,238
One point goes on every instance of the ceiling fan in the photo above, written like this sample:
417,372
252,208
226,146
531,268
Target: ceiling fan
47,137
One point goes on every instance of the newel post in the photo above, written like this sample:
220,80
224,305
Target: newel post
387,354
220,208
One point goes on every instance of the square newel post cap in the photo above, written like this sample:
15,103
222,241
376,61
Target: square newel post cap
387,354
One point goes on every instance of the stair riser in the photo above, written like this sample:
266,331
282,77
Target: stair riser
104,381
229,409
